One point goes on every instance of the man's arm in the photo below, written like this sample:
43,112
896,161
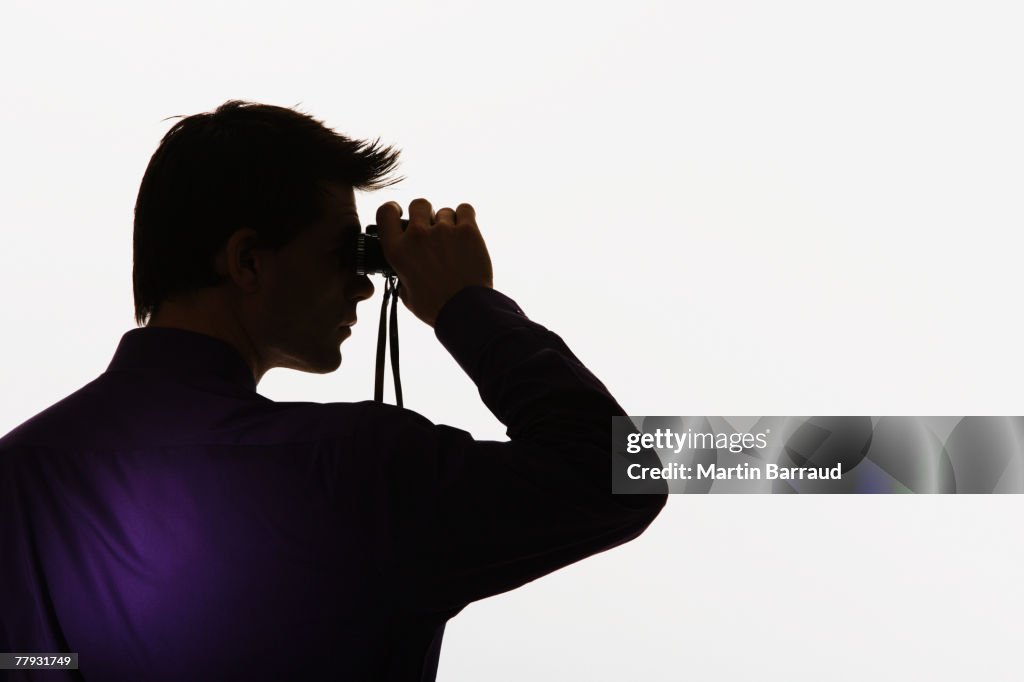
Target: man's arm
477,518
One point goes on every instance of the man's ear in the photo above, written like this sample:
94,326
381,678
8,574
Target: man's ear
241,260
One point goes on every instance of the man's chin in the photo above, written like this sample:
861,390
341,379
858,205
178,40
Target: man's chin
331,366
323,364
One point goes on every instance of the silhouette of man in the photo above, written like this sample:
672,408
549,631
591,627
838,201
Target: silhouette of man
167,522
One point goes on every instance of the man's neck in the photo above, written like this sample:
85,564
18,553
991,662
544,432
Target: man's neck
204,316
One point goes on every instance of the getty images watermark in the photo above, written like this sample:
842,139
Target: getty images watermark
664,440
837,454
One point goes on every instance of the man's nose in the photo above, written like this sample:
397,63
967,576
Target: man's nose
362,288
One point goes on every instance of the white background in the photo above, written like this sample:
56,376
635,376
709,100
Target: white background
723,207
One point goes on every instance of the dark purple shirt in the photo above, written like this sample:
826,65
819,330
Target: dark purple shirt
167,522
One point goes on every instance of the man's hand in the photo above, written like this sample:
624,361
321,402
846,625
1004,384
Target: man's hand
436,256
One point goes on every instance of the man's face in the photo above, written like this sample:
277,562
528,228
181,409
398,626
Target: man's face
310,290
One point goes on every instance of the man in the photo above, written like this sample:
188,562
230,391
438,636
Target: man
167,522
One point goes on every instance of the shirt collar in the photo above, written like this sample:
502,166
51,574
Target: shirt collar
180,351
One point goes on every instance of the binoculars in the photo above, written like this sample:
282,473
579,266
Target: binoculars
370,258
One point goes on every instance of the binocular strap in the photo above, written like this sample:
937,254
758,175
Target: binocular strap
391,285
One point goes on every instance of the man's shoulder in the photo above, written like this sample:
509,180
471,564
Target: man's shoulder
55,420
334,420
97,415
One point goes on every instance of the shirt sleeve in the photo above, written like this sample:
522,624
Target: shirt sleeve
474,518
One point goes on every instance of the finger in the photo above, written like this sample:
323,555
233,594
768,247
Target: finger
388,226
465,214
420,213
446,216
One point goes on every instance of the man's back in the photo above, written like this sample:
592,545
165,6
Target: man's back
168,522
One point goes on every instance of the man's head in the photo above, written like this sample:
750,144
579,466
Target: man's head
242,224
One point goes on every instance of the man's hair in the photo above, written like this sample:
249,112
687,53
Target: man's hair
244,165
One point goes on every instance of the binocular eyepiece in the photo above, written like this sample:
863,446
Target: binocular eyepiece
370,258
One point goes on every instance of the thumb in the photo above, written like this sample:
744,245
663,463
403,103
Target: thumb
388,225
